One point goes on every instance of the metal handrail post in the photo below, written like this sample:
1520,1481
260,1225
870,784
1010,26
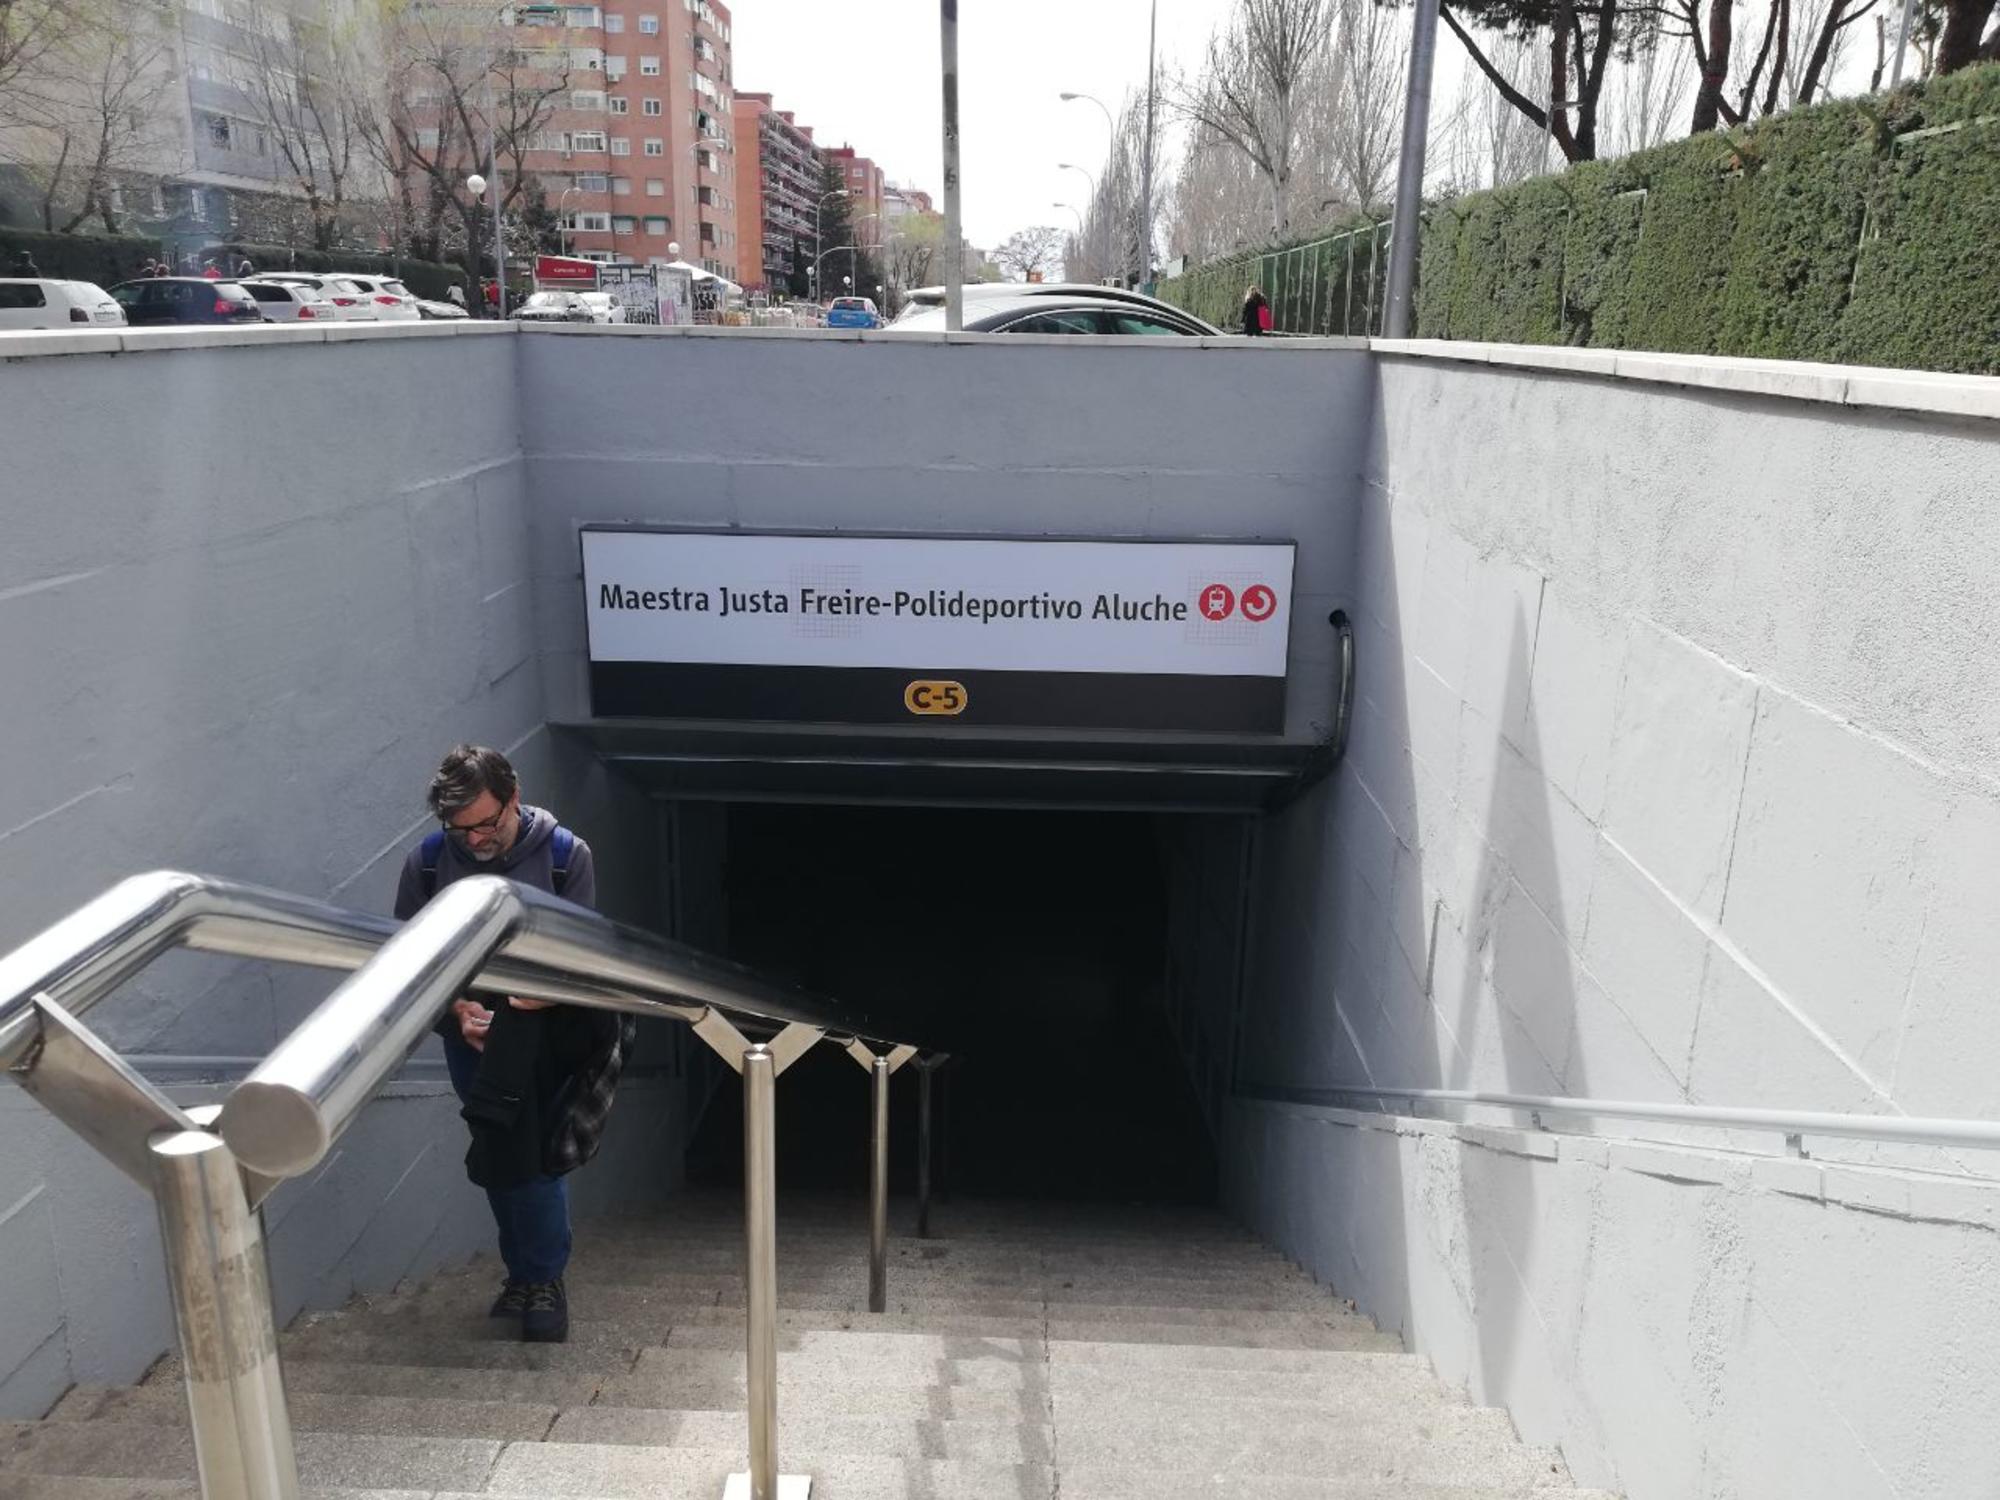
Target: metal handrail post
878,1187
221,1288
923,1151
760,1271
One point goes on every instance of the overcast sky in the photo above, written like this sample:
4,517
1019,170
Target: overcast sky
868,75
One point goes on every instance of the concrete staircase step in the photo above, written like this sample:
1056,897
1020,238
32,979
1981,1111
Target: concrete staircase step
982,1440
128,1450
75,1487
557,1471
1081,1482
326,1411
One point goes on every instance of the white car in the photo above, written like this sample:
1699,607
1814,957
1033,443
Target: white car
292,302
394,302
40,302
351,302
604,308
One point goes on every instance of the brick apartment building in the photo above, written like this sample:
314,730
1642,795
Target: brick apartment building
637,154
777,195
867,183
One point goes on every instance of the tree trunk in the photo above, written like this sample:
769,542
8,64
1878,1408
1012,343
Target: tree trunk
1964,25
1715,68
1822,50
1784,55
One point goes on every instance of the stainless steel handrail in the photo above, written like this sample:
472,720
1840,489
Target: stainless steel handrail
1794,1124
209,1168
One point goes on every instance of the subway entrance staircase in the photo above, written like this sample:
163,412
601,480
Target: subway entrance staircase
1028,1350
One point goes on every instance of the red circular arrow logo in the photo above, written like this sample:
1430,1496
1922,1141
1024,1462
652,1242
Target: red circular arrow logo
1260,602
1216,602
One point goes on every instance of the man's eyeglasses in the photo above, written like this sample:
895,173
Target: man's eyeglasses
475,830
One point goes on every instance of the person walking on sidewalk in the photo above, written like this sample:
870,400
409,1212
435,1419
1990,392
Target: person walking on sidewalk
535,1079
1256,313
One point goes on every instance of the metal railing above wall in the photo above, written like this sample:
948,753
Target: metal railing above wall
209,1168
1795,1125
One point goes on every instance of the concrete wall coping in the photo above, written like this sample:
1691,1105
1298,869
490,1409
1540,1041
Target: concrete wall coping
1929,391
1900,1192
1926,391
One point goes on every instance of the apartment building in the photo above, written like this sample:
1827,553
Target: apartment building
867,183
777,196
637,153
197,122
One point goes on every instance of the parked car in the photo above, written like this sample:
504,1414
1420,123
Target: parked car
1011,307
555,307
349,300
853,312
431,308
161,300
42,302
394,302
604,308
291,302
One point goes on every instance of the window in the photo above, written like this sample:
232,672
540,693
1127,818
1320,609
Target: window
614,24
1078,321
656,147
620,146
218,131
1138,323
591,222
29,294
656,224
624,224
650,107
589,100
585,140
614,68
649,25
655,188
620,186
649,67
592,182
620,106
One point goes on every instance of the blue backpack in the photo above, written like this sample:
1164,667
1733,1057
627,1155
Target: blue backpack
562,844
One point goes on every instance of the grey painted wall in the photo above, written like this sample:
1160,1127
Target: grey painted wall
1676,776
1143,437
249,595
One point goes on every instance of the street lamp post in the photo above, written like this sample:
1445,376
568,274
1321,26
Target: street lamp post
835,250
1104,264
562,225
476,185
1110,154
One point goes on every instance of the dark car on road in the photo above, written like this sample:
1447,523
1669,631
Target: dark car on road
1054,307
157,300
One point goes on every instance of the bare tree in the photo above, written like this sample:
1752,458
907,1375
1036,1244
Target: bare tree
1027,252
910,258
1823,26
1580,38
464,95
1652,92
30,31
1484,142
1248,92
1363,137
1219,202
307,91
88,112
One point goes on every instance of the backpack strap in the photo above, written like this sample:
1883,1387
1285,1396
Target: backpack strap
562,844
428,854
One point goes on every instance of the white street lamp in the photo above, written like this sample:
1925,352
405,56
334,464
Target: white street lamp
478,185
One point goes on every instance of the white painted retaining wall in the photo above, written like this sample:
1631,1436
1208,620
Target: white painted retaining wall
1675,776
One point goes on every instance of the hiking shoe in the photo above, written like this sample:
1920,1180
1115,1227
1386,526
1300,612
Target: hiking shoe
545,1317
512,1301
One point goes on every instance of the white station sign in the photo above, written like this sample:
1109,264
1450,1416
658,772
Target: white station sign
850,628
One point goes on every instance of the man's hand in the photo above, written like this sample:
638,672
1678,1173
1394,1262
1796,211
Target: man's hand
473,1019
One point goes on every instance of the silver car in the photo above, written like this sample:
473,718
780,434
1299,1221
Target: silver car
292,302
350,301
1055,307
394,302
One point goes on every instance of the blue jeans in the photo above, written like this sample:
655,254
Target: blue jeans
533,1217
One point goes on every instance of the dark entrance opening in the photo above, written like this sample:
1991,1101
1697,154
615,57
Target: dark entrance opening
1041,937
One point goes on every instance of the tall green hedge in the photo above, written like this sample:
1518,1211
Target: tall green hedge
104,259
1864,231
